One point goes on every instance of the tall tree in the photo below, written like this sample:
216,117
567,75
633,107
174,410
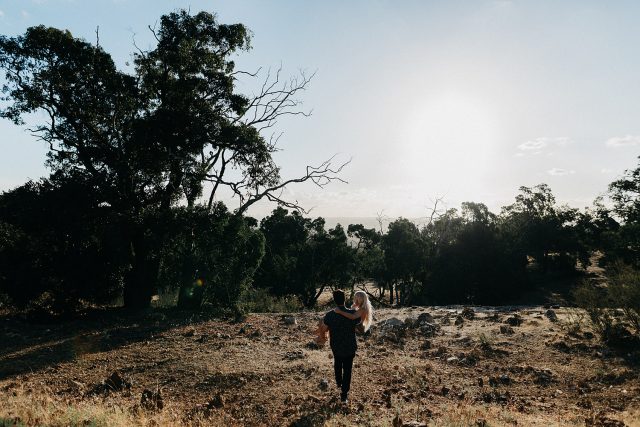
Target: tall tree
145,141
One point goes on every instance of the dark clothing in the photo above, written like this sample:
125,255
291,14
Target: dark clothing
342,333
342,367
342,337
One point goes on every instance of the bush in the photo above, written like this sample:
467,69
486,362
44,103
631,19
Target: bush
258,300
601,303
624,291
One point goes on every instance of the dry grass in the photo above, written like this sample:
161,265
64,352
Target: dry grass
268,376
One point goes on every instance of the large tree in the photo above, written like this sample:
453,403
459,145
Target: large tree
145,141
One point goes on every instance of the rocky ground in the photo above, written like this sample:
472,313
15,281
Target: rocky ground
418,366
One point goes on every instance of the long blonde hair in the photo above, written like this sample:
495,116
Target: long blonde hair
361,299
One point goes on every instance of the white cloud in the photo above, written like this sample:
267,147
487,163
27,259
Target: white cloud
537,145
560,172
623,141
24,14
1,14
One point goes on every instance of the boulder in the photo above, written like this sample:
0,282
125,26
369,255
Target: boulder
514,320
289,320
551,315
468,313
425,318
506,330
459,320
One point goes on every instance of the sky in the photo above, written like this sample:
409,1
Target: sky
458,100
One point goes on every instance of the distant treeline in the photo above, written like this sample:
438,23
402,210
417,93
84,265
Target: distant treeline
124,213
58,249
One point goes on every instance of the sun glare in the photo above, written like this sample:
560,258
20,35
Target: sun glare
449,138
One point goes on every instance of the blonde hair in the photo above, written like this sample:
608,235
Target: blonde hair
361,299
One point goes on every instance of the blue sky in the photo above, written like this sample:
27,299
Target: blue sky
466,100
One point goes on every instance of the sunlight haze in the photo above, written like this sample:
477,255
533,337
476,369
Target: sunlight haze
462,100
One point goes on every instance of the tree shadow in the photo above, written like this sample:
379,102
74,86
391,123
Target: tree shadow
29,346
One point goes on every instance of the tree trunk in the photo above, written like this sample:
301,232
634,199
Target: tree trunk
140,281
391,293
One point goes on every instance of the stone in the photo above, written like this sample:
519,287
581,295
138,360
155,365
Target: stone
506,330
459,320
289,320
391,323
294,355
425,318
409,322
468,313
551,315
514,320
429,330
452,359
189,332
445,320
324,384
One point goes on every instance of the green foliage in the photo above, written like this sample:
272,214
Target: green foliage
624,292
259,300
212,257
55,246
471,259
621,293
147,140
302,258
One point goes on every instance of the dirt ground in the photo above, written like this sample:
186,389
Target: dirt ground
488,369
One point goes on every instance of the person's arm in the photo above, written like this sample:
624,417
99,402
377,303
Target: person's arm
321,333
353,316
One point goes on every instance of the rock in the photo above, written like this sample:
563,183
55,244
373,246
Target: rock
429,330
452,359
459,320
410,322
551,315
425,318
189,332
588,335
426,345
505,379
480,382
294,355
506,330
324,384
481,422
468,313
445,320
542,377
151,400
257,333
444,391
391,323
514,320
289,320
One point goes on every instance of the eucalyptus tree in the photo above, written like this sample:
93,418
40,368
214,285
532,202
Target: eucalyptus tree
148,139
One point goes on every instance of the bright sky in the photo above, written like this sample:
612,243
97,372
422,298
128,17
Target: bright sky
466,100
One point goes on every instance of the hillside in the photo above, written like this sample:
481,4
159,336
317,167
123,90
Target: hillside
430,366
